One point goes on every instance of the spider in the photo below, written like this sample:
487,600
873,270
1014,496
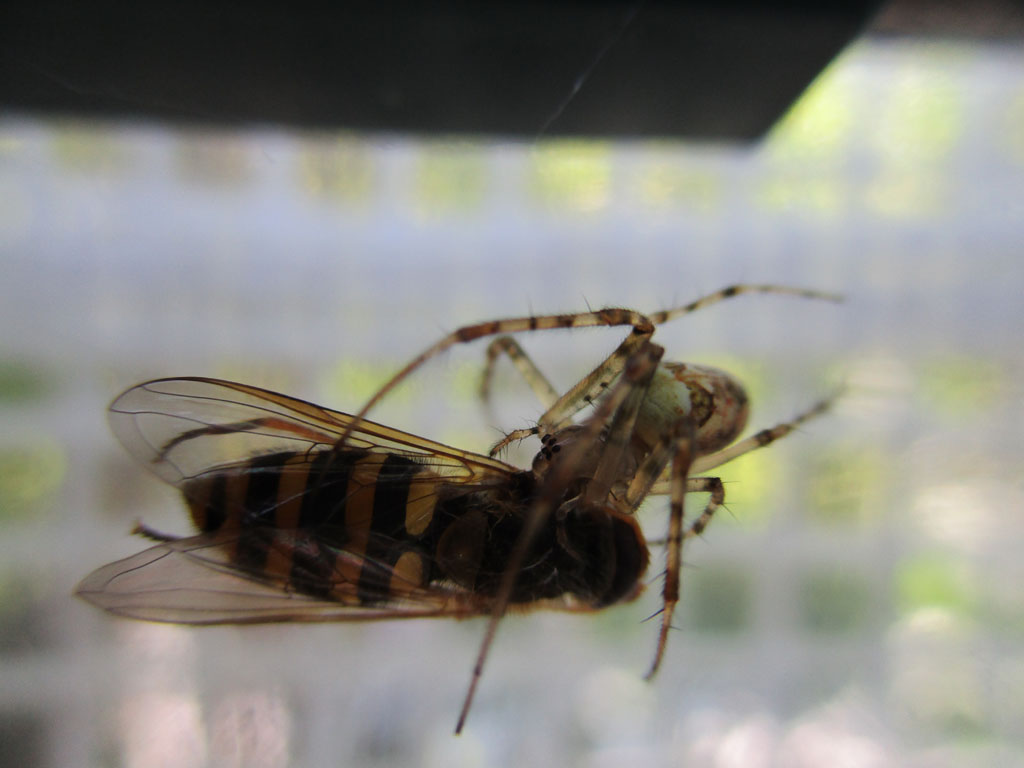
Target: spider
655,429
307,514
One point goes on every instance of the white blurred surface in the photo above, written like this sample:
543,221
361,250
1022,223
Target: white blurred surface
860,606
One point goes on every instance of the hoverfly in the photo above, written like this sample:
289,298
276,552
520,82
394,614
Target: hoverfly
308,514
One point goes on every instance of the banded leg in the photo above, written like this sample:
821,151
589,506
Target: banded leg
536,380
711,485
597,381
588,388
686,446
642,330
647,474
663,486
541,387
585,391
760,439
637,378
618,412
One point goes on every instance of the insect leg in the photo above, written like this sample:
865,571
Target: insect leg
619,408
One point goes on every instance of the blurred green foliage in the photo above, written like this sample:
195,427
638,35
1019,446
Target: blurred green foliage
719,598
22,383
833,601
451,177
30,476
935,580
572,174
847,485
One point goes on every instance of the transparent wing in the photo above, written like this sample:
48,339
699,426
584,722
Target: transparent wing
182,428
201,580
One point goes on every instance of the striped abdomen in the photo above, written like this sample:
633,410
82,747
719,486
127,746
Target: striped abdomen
367,528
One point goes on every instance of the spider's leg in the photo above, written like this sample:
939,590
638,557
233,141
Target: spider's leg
511,437
541,387
760,439
665,316
663,486
597,381
637,377
594,383
533,376
712,485
642,330
585,391
646,478
686,445
617,412
601,378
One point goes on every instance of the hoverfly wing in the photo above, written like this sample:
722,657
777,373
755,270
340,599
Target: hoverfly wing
295,527
182,428
197,580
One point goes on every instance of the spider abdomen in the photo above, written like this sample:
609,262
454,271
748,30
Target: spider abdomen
713,400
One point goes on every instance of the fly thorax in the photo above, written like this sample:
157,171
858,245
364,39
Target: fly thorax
712,399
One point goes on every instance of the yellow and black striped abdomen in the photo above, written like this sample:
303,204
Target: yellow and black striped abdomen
346,526
366,528
358,490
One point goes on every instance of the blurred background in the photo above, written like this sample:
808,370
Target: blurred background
860,602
